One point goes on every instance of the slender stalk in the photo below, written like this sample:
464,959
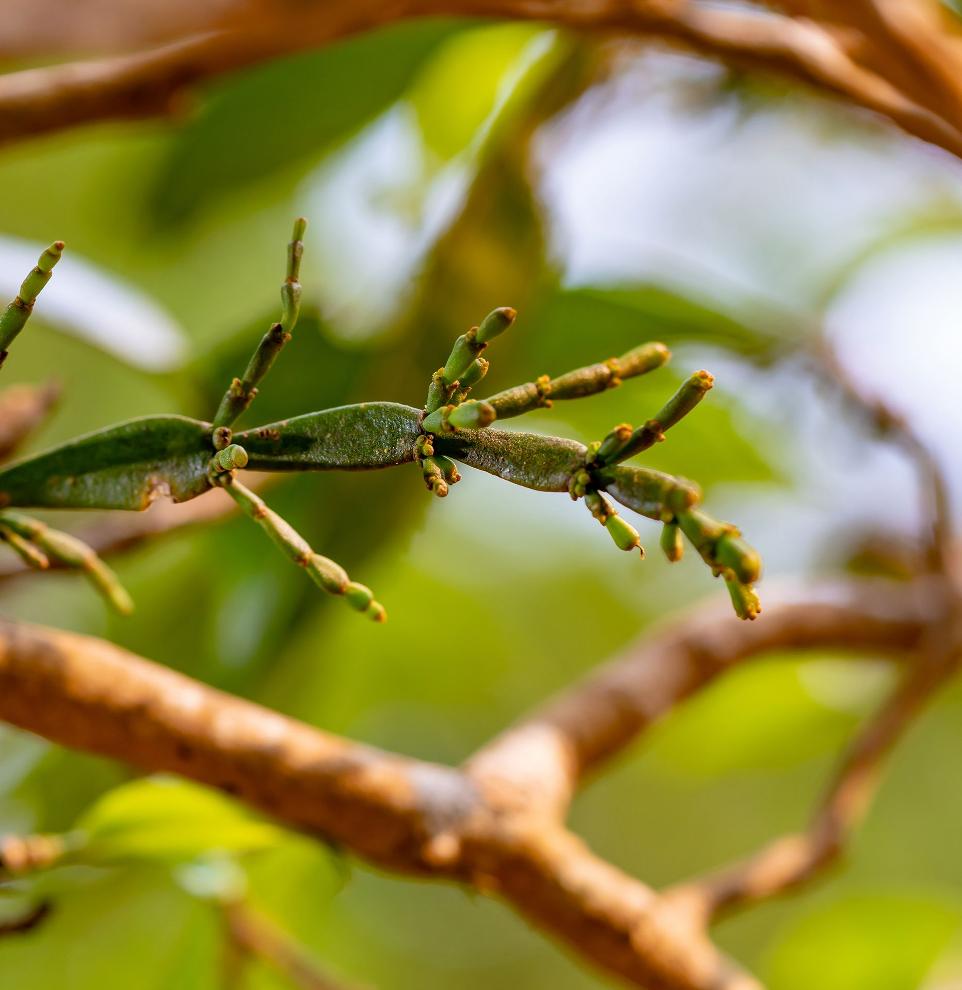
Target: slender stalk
14,318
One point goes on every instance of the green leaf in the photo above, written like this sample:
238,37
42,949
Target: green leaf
122,467
763,715
367,435
168,820
886,942
632,314
287,110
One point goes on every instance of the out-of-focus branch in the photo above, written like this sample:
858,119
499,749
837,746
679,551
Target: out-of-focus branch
893,427
22,409
28,921
251,934
796,859
154,82
490,825
589,723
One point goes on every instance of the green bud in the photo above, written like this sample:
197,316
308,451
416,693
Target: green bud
736,555
495,323
671,543
358,596
448,468
612,443
744,599
642,359
474,374
471,415
466,349
231,457
623,533
436,422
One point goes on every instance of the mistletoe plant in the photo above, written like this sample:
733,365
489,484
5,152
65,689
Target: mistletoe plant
130,465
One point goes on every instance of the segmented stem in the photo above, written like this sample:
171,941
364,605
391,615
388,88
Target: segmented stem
14,318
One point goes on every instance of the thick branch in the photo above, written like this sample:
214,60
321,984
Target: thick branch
403,814
153,83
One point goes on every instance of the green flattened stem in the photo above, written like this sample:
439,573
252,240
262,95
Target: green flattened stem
240,394
71,552
650,493
470,415
675,409
31,555
727,554
15,316
581,382
624,535
325,573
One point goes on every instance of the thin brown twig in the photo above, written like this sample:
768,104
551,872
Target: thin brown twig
793,860
250,933
22,409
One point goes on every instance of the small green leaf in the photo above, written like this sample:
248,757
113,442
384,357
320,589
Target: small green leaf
121,467
168,820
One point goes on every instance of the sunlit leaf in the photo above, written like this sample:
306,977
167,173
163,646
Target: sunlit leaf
163,819
879,941
761,716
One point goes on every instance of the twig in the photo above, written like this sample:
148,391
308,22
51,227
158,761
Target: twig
27,922
251,933
793,860
122,532
588,724
22,409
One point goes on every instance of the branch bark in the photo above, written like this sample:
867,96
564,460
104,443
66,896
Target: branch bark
483,824
154,82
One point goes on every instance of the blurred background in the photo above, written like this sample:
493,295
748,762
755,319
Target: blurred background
613,194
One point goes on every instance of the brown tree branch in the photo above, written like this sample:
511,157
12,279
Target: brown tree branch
154,82
252,934
793,860
476,825
586,725
22,409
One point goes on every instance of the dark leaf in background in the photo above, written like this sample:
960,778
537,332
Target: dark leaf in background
274,116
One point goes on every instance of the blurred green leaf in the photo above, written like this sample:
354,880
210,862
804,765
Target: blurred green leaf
291,108
864,942
760,716
164,819
632,314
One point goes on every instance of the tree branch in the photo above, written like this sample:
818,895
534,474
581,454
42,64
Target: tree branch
586,725
477,825
153,83
793,860
22,409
